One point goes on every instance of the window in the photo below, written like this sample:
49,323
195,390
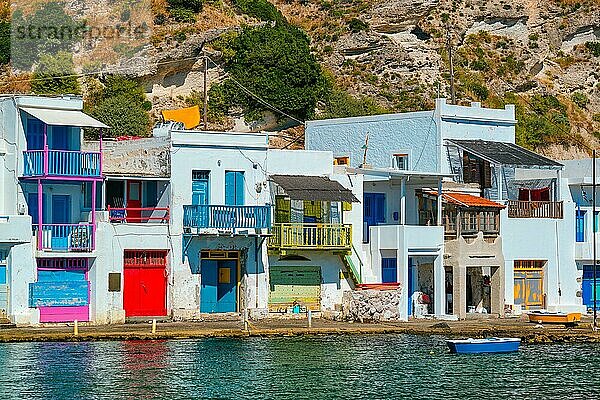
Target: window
580,226
477,171
345,160
234,188
400,161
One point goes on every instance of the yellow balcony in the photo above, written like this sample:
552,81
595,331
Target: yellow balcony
311,237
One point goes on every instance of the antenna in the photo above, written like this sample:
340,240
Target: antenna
365,147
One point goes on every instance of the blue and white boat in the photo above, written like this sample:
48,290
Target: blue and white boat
488,345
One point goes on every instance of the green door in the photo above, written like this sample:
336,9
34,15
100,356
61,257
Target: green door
294,285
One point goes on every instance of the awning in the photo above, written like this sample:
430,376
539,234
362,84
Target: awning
51,116
466,200
314,188
508,154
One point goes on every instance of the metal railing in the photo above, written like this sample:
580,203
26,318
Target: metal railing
150,215
535,209
65,237
311,236
226,217
61,163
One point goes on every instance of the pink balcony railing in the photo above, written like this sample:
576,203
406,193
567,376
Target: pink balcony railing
154,215
65,237
61,163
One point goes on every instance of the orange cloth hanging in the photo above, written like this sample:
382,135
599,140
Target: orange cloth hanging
189,116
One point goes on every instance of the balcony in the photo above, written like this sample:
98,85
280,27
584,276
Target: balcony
535,209
65,237
146,215
40,163
226,217
311,237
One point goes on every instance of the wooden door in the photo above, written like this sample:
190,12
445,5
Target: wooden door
134,201
145,283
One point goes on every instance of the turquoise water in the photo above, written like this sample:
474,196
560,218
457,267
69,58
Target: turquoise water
321,367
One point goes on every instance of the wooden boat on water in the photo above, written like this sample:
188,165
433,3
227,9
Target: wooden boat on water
546,317
488,345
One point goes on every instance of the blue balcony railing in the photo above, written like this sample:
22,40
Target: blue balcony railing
65,237
61,163
226,217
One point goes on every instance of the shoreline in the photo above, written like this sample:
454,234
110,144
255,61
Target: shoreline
528,332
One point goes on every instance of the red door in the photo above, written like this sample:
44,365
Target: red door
134,201
145,283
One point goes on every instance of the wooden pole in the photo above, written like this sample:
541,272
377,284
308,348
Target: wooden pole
205,108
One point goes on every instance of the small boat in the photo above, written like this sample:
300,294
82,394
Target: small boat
546,317
488,345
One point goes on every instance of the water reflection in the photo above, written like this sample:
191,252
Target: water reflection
393,366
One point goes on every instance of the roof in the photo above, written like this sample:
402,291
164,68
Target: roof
468,200
315,188
64,117
505,154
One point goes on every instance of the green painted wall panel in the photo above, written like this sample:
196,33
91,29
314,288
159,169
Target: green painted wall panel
295,284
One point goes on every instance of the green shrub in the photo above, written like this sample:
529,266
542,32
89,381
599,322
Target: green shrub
121,104
192,5
55,75
260,9
4,42
594,48
183,15
48,30
357,25
339,104
580,99
276,64
596,117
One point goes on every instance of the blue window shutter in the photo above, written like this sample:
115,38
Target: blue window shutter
239,188
229,188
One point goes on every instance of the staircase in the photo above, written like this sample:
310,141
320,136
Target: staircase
355,273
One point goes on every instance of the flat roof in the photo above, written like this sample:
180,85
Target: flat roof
315,188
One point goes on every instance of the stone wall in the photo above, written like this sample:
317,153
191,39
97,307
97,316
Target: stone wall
373,305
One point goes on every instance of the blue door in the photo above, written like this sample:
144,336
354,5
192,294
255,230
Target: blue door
32,206
219,286
373,212
200,195
389,270
61,209
587,287
234,188
60,138
411,286
580,226
208,292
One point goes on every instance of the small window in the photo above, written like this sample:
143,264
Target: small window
341,160
400,161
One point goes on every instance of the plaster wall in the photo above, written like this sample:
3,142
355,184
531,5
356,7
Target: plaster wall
112,241
332,283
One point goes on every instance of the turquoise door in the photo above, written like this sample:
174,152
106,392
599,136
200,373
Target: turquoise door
61,209
234,188
587,287
219,286
200,195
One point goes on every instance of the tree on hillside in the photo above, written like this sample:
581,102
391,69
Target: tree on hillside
120,103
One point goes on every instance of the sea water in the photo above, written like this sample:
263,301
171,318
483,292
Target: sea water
310,367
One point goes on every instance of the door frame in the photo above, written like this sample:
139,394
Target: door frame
224,255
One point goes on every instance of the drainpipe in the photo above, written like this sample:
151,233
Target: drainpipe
94,214
40,213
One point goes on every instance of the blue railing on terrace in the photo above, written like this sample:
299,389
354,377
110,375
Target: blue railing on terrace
61,163
65,237
226,217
